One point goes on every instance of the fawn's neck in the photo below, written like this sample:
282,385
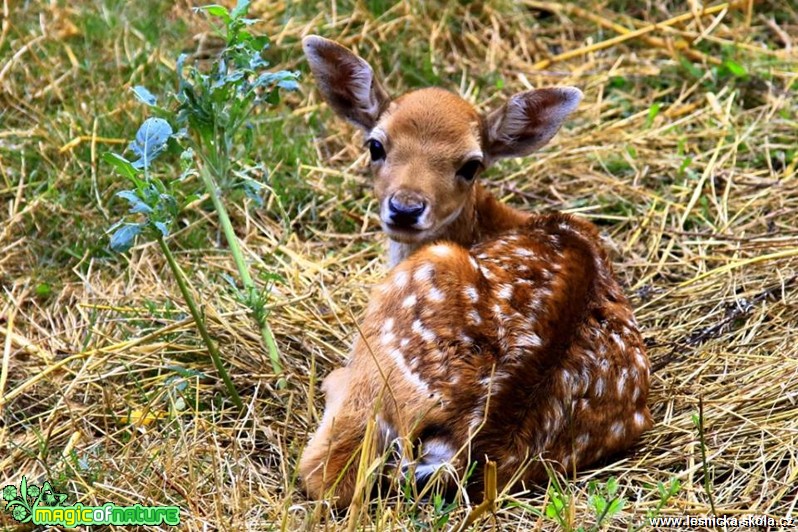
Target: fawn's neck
482,217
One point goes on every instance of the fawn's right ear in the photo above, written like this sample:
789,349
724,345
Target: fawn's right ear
346,81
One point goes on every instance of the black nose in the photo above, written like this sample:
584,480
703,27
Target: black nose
406,211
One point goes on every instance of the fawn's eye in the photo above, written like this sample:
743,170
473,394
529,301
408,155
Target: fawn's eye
470,169
376,149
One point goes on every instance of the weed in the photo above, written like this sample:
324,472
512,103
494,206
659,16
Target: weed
698,421
213,108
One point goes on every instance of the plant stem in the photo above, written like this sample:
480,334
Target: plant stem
704,463
241,265
195,313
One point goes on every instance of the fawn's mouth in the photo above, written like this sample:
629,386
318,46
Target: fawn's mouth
403,233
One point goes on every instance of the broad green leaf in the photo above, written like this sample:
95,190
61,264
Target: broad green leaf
150,141
288,84
615,507
241,8
136,203
122,165
217,11
144,95
612,486
598,503
124,237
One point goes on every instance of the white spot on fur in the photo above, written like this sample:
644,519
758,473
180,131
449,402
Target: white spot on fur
471,293
583,440
400,279
622,381
475,318
506,291
387,338
640,358
388,325
473,262
399,359
422,331
409,301
423,273
598,387
404,341
529,339
524,252
618,430
441,250
640,419
436,295
617,340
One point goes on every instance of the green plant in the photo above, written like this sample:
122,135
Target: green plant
557,508
666,492
211,109
698,421
603,501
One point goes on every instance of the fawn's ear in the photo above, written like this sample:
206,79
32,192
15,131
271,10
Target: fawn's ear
346,81
528,120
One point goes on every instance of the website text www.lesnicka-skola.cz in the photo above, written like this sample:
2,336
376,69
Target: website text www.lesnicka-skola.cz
692,521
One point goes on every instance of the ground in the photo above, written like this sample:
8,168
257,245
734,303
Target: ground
683,152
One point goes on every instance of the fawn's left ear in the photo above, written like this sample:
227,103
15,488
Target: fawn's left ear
346,81
528,121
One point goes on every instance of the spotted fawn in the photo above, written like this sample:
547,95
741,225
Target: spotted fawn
498,335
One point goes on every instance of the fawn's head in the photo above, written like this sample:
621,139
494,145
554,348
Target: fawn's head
428,146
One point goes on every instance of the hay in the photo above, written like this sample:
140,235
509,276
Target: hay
698,200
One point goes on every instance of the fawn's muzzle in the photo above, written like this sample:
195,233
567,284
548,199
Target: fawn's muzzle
405,211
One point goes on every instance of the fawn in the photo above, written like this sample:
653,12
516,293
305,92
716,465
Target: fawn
507,337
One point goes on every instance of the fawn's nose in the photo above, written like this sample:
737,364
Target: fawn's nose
405,210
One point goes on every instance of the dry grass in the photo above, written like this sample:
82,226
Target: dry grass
106,390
